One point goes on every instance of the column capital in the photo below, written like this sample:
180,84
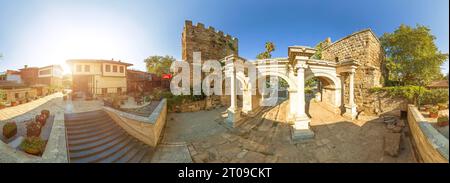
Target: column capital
301,64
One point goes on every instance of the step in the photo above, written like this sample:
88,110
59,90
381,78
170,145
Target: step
90,125
131,153
84,115
148,156
140,155
100,149
94,138
121,153
99,142
90,135
105,153
85,120
89,130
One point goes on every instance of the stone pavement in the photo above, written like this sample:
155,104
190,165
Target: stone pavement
264,139
18,110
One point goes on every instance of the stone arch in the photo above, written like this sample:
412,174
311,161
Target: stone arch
292,84
331,91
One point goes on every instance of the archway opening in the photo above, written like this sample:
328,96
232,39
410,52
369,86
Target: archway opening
323,91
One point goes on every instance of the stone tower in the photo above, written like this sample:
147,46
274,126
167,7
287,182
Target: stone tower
364,47
211,43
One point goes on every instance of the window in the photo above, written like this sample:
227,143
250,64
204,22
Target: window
78,68
121,69
45,72
115,68
108,68
104,91
87,68
16,95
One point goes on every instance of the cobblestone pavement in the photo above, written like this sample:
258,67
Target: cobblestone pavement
262,139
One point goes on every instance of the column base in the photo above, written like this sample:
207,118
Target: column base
233,116
350,111
249,112
301,130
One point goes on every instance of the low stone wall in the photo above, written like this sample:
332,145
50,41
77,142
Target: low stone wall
208,103
430,146
379,103
146,129
55,150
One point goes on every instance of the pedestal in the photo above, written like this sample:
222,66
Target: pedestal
233,116
350,111
301,130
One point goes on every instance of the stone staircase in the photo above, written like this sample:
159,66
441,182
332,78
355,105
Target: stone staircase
93,137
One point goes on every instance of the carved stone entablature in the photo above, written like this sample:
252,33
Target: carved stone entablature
347,66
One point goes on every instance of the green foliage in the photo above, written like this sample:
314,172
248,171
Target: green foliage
33,144
230,44
10,129
158,64
410,93
442,119
412,57
413,93
54,88
270,47
435,96
173,100
311,82
434,110
2,95
319,48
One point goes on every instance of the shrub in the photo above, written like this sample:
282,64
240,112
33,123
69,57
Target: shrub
10,129
442,106
33,145
41,119
435,96
46,113
409,93
442,119
33,129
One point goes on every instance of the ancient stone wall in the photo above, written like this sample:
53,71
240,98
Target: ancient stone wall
213,44
364,47
380,103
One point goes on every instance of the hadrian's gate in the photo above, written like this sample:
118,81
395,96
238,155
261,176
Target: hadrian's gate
295,70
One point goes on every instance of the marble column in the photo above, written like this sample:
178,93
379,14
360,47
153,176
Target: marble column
301,129
350,108
233,112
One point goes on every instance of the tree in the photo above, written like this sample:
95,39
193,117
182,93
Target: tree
412,57
2,95
158,64
270,47
319,48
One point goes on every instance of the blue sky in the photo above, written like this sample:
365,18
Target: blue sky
42,32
